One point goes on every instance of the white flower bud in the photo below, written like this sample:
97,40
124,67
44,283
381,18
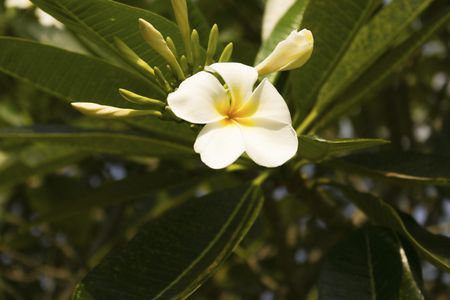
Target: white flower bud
292,53
111,112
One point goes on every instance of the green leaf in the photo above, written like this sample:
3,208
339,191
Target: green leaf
432,246
316,149
380,71
170,257
370,264
111,142
372,41
67,75
333,24
101,20
406,167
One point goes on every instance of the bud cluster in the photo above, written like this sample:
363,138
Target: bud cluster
180,65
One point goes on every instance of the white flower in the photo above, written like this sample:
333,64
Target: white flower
237,120
43,18
21,4
47,20
274,11
292,53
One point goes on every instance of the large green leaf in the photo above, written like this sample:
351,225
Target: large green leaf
406,167
371,42
432,246
316,149
67,75
111,142
333,24
371,264
101,20
170,257
380,71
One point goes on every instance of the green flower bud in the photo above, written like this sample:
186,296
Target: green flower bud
171,46
226,53
212,45
181,15
195,39
138,99
132,57
162,80
155,40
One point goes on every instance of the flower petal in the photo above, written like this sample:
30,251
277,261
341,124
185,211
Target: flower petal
219,144
266,102
198,99
239,78
269,143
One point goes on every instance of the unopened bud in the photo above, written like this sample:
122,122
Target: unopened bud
111,112
184,64
162,80
132,57
181,15
195,40
226,53
171,46
155,40
212,44
138,99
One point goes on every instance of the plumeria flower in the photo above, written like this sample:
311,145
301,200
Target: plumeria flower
20,4
289,54
238,118
43,18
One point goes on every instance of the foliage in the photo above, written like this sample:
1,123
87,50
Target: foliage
124,209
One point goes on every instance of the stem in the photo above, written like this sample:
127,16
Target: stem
307,122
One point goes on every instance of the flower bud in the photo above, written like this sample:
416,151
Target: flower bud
226,53
155,40
292,53
132,57
212,44
111,112
180,10
138,99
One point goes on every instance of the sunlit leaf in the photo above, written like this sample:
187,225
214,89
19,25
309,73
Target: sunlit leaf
67,75
372,41
380,71
333,24
99,21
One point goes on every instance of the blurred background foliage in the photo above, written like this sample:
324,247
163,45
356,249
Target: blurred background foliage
51,233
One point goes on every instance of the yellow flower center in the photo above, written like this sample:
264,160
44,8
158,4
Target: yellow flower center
237,111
